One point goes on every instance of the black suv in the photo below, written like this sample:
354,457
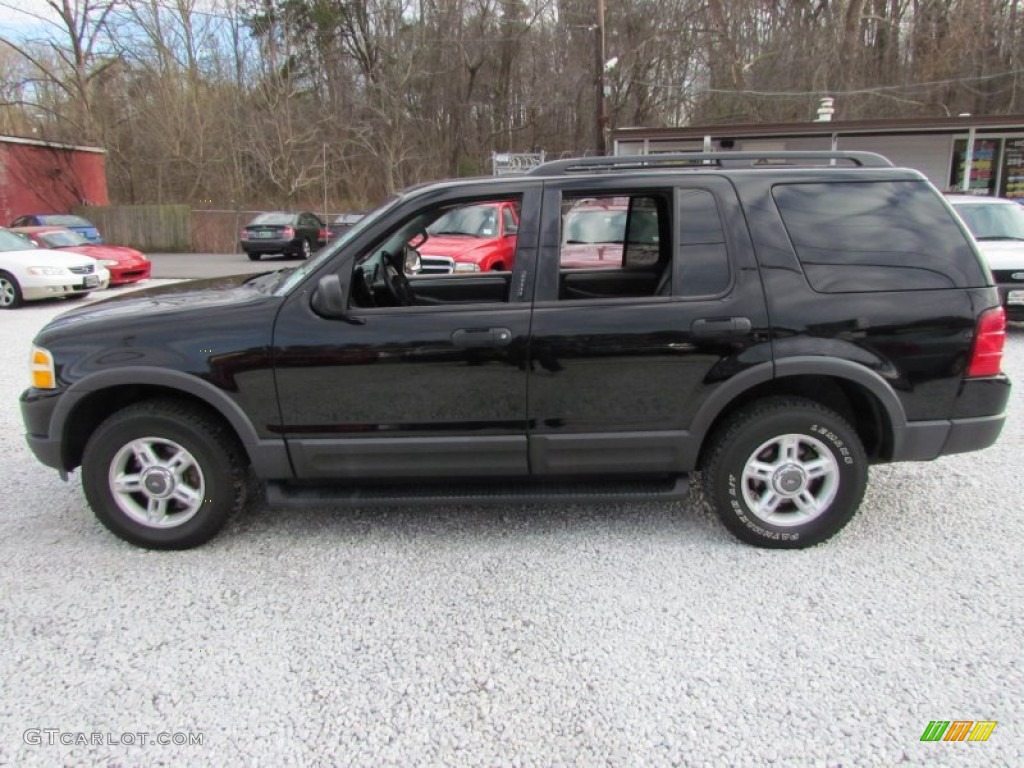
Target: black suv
776,321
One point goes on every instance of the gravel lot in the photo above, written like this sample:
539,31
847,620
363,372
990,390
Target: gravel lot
617,635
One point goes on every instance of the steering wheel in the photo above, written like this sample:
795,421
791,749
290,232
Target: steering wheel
396,283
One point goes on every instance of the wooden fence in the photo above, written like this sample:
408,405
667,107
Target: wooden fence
169,228
217,231
155,228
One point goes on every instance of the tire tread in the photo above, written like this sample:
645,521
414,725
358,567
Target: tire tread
728,432
224,443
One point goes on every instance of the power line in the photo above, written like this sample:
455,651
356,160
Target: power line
832,91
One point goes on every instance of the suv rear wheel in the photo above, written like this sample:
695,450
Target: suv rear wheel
785,472
163,474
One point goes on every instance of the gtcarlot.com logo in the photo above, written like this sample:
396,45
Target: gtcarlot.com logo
50,737
958,730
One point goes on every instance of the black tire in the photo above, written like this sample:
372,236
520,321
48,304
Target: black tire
803,462
214,474
305,250
10,291
253,256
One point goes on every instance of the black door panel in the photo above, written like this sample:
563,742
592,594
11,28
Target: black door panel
615,383
434,389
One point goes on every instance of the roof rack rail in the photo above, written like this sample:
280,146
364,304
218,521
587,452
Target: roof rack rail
676,160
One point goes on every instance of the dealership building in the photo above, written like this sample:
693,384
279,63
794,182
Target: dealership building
48,177
979,155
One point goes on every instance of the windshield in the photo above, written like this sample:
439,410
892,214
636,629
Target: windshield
595,227
297,275
9,241
60,220
64,239
273,218
993,221
472,221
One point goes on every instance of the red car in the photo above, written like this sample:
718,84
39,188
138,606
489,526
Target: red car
593,231
472,238
126,265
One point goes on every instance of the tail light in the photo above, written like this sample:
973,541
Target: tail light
243,235
989,338
325,234
289,233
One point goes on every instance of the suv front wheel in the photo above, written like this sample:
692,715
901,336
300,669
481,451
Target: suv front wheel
163,474
785,472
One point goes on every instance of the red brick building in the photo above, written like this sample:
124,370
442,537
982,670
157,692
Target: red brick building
45,177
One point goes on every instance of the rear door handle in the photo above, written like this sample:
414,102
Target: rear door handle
721,326
481,337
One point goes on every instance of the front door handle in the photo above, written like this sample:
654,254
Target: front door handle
721,326
481,337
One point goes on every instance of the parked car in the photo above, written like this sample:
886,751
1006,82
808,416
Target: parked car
800,317
29,273
126,265
998,226
84,227
295,234
472,238
343,224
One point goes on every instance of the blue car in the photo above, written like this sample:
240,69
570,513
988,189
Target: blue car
84,227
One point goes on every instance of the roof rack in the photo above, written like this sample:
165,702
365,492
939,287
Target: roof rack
677,160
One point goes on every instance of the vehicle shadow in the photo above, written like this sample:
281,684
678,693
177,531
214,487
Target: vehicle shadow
690,520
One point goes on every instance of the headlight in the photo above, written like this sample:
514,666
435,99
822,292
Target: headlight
143,257
109,262
50,271
466,266
41,365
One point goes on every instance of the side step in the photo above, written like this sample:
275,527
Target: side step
285,494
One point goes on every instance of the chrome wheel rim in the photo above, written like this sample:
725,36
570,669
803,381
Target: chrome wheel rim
790,480
156,482
7,293
306,249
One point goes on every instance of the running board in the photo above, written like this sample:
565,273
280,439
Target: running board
283,494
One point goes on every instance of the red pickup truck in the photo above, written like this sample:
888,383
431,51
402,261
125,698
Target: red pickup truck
472,238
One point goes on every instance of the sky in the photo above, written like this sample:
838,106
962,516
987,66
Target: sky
16,23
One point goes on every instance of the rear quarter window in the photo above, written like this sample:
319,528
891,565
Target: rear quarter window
876,236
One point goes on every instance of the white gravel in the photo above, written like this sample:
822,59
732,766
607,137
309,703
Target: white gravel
632,635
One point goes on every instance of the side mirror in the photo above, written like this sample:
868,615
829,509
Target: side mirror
412,263
330,299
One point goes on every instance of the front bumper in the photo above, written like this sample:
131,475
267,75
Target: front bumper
37,407
131,273
1011,296
36,287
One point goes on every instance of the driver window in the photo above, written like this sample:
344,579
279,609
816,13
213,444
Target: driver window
454,253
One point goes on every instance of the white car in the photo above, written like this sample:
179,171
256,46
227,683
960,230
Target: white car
28,272
998,226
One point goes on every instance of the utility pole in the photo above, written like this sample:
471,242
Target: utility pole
326,215
601,113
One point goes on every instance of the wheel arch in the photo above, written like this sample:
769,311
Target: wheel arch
859,395
87,403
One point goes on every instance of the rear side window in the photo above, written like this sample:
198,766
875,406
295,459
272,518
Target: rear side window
876,236
703,263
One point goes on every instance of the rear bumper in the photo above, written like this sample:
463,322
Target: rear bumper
972,428
927,440
269,246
